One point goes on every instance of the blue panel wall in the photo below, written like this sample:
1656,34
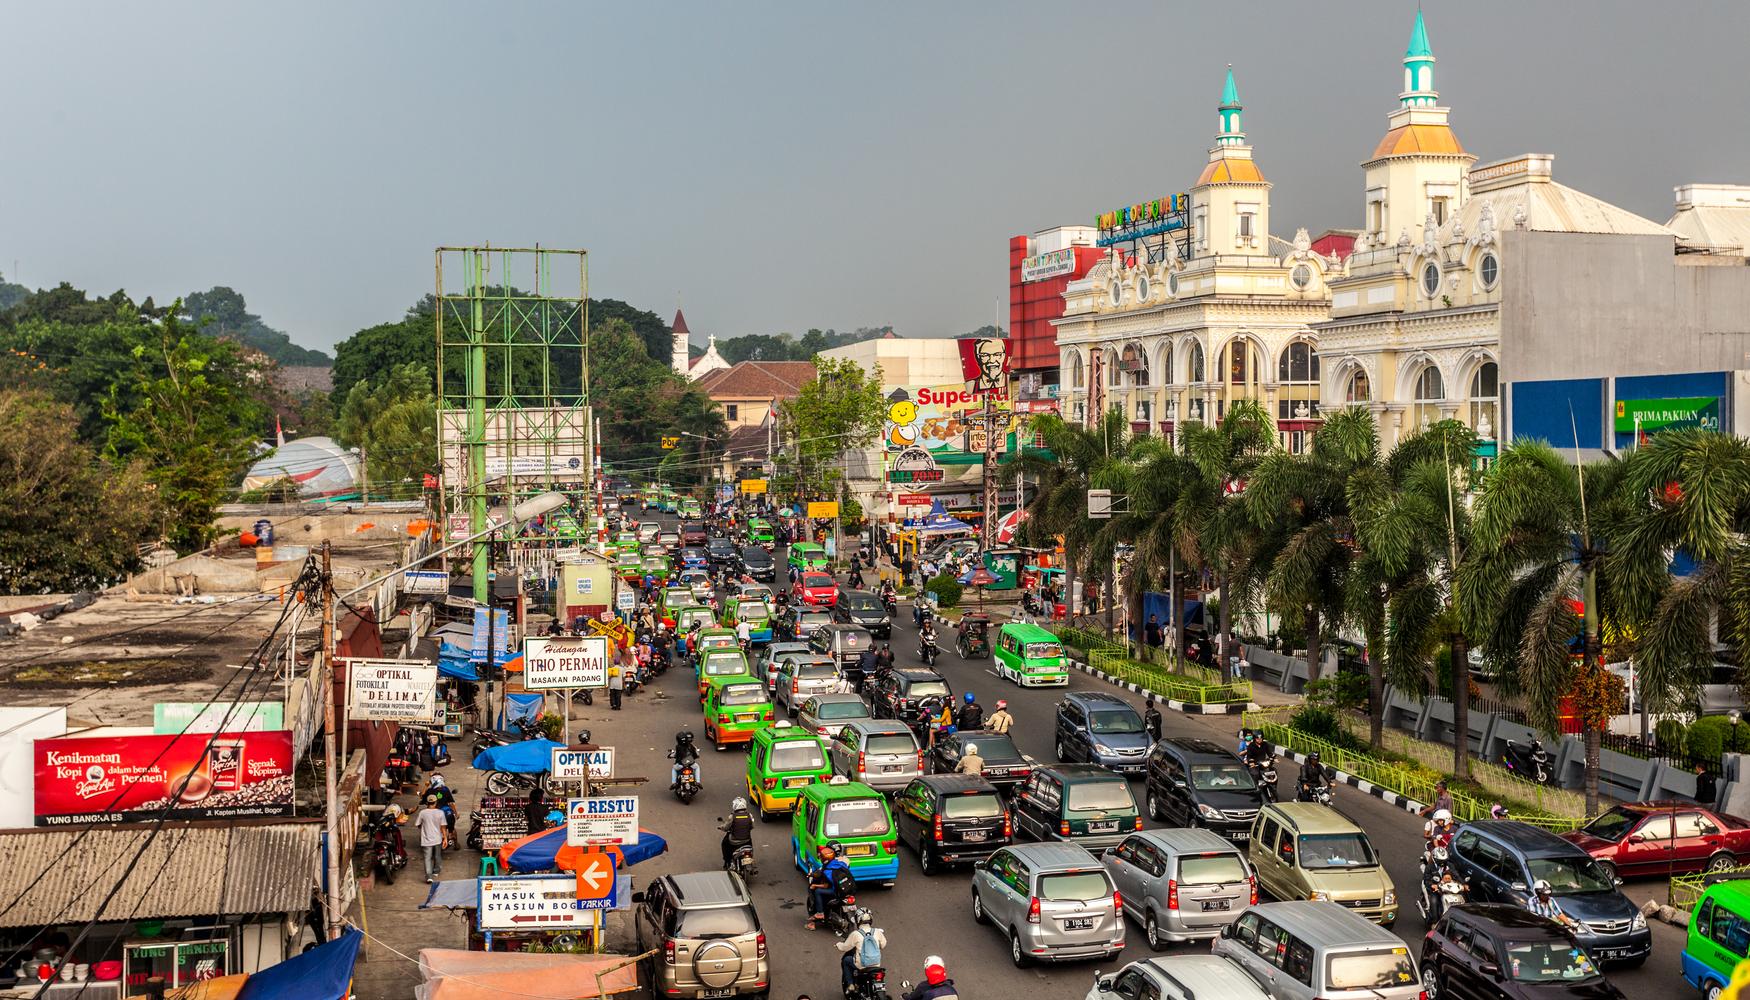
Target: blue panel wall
1554,411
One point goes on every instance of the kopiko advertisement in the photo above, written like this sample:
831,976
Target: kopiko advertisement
194,776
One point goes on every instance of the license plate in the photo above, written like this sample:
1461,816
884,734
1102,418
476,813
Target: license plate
1078,923
749,717
1214,904
1103,826
975,836
1610,954
890,768
1239,835
712,994
996,772
859,850
795,782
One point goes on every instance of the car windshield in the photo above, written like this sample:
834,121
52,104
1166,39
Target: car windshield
700,615
1222,777
753,611
723,666
891,743
978,805
742,694
756,556
1570,876
995,748
841,710
797,756
1043,650
927,689
1371,970
1548,962
1613,825
1103,796
816,580
1115,721
863,602
1336,850
1075,886
855,818
1211,868
717,922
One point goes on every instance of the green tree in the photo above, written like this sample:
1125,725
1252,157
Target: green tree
1220,534
393,424
838,411
68,520
11,294
221,312
184,413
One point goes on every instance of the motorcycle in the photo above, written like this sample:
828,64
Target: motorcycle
1264,776
1440,891
687,787
1528,760
890,604
741,862
867,984
476,837
1319,791
841,914
387,854
928,650
506,782
526,730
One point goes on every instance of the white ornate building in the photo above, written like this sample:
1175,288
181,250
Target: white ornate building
1184,337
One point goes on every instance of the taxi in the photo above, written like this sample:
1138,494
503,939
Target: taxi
718,667
1029,656
805,556
735,711
757,613
656,567
675,598
715,638
686,618
628,566
781,761
690,510
760,533
854,815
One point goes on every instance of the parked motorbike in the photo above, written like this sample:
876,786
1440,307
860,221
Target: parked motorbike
506,782
388,856
476,839
1528,760
526,729
867,984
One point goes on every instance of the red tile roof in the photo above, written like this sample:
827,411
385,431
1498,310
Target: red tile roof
757,380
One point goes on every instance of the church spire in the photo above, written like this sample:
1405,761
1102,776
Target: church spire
1419,69
1232,133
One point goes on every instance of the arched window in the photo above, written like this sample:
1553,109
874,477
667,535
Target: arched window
1430,391
1194,365
1241,363
1076,374
1299,363
1485,397
1297,378
1358,390
1114,373
1164,362
1136,363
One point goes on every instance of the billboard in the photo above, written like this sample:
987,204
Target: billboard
195,776
392,690
928,426
559,662
172,717
984,364
1649,415
1048,265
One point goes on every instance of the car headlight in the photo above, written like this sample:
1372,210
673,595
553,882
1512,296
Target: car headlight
1639,923
1391,898
1102,748
1582,929
1318,897
1208,811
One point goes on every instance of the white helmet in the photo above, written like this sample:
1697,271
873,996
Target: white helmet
1440,852
1442,815
737,804
1541,885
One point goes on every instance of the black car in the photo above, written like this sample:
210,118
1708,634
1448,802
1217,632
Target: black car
860,607
1197,782
949,818
757,563
1492,950
720,551
796,622
894,694
1503,860
1005,766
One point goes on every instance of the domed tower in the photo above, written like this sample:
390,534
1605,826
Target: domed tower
1418,170
1230,203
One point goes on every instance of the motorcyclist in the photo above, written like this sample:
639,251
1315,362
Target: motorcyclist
927,635
1312,776
1000,720
884,657
684,753
1151,719
861,948
971,714
889,596
1437,832
828,882
970,761
936,984
737,829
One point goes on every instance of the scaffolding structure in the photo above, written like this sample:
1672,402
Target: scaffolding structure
513,379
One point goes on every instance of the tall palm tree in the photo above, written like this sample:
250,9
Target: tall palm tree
1685,491
1542,527
1151,477
1214,529
1074,456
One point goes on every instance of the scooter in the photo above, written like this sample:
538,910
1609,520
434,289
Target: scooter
1528,760
1439,892
387,854
927,651
867,984
476,837
841,914
741,862
687,787
1264,776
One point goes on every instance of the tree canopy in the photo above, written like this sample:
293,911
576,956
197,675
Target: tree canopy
221,312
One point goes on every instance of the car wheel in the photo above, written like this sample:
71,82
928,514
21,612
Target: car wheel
926,863
1151,932
1610,869
1061,754
1713,992
1016,953
1431,981
978,916
1719,862
1154,808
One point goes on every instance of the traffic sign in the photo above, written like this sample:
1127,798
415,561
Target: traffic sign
596,882
601,819
531,903
570,765
823,508
753,485
570,661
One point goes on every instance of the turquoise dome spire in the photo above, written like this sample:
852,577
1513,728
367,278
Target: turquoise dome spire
1419,68
1231,134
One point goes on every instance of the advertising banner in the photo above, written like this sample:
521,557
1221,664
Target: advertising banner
555,662
500,634
1650,415
392,690
195,776
754,485
531,903
1048,265
984,363
571,765
928,427
172,717
601,819
426,581
823,508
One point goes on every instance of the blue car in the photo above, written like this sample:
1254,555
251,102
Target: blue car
1095,727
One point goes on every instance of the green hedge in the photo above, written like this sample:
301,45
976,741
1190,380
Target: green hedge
1709,735
946,589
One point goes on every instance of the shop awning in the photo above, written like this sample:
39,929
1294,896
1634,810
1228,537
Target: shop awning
493,975
204,868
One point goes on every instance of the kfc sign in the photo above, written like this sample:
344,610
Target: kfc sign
188,776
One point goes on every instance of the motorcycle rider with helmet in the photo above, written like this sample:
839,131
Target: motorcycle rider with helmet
971,714
737,829
936,984
1312,776
861,949
1437,832
684,753
828,883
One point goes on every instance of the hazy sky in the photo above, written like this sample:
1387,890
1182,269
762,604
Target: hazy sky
776,166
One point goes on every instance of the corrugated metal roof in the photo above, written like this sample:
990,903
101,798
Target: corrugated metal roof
191,869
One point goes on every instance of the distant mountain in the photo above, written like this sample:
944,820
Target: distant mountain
788,347
221,311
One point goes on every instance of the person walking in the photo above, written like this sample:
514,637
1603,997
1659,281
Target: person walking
433,827
616,682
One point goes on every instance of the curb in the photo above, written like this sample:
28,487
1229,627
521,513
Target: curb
1234,708
1405,803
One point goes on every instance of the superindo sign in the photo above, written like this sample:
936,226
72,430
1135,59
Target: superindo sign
531,903
578,661
193,776
392,690
601,819
1648,415
571,765
1048,265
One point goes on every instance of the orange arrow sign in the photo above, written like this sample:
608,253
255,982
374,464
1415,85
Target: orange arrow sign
595,876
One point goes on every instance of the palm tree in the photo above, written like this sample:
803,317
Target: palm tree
1541,532
1074,456
1213,528
1685,491
1151,477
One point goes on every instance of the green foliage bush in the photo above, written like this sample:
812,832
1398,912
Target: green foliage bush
1670,734
1712,735
1343,692
1323,722
947,590
552,724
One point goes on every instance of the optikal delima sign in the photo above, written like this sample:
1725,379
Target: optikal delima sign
392,690
571,765
1048,265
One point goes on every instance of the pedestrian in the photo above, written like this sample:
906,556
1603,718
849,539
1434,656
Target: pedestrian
1151,720
1152,632
1442,800
616,682
433,827
1705,788
535,810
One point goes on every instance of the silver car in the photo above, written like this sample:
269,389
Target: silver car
880,753
826,714
1052,901
1180,885
768,661
801,677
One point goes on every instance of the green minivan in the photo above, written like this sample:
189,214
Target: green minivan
857,817
1719,936
760,533
807,555
1029,656
782,760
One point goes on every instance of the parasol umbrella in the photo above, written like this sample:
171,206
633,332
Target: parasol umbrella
1009,525
980,578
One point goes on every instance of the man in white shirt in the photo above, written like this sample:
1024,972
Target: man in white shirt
433,827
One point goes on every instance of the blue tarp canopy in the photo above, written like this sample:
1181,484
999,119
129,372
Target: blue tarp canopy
939,522
322,973
521,706
526,757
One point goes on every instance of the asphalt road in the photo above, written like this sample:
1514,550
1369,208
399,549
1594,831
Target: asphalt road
924,915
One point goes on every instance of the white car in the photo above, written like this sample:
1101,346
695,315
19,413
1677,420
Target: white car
1179,978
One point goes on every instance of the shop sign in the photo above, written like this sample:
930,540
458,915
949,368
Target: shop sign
573,765
914,499
601,819
1649,415
392,690
754,485
557,662
530,903
823,508
426,581
1048,265
500,634
459,524
181,963
195,776
172,717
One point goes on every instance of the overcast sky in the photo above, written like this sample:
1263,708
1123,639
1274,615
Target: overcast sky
774,166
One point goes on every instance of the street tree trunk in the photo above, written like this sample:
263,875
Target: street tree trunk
1224,638
1594,656
1312,644
1375,688
1460,706
1106,587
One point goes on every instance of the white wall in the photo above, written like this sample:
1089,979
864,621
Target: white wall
20,728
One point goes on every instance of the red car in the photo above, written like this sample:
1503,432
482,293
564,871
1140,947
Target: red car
1654,838
816,588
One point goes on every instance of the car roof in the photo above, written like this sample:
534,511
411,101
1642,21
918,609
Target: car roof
1531,841
1501,916
916,673
1027,632
787,732
694,890
834,699
1311,817
1096,698
1188,840
1204,975
1196,746
1084,772
859,593
879,726
1737,892
825,790
1322,924
1054,855
954,784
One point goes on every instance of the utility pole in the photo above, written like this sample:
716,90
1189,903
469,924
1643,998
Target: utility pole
601,482
989,417
330,779
474,261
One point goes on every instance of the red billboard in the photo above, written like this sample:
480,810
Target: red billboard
193,775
